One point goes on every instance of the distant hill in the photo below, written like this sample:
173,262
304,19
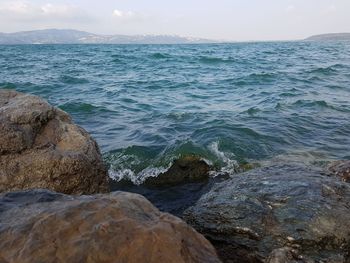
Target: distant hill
68,36
333,36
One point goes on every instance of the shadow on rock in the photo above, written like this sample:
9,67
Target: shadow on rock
178,188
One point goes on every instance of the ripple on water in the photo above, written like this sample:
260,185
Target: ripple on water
8,85
83,108
73,80
242,101
160,56
327,71
214,60
315,104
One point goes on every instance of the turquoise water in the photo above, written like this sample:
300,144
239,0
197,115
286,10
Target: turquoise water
229,103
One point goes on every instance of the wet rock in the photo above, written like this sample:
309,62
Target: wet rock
283,255
184,170
43,226
284,205
40,147
341,169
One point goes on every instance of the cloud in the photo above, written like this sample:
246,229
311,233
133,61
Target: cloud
59,10
25,11
120,17
117,13
122,14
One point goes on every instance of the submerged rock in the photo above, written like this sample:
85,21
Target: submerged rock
285,205
43,226
187,169
341,169
179,188
176,189
40,147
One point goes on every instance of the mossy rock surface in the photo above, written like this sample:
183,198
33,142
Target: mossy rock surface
186,169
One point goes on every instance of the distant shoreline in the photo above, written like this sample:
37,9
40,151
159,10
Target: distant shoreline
72,37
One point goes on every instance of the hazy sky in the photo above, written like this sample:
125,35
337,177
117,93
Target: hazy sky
214,19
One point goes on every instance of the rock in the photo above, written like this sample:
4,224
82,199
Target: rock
43,226
285,205
40,147
341,169
282,255
187,169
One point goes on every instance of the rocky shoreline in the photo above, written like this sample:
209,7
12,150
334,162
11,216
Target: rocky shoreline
283,206
285,212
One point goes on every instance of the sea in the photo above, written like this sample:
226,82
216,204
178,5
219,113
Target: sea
229,104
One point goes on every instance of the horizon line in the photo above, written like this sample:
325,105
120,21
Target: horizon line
215,41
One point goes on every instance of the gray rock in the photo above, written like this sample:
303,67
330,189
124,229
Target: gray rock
40,147
42,226
340,169
282,255
285,205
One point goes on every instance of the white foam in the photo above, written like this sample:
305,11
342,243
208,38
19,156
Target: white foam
231,165
121,174
208,162
138,178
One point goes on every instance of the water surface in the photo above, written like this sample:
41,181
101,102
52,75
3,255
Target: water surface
229,103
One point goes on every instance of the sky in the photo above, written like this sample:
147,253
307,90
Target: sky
235,20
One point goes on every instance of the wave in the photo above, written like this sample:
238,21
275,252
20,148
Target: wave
229,163
252,111
8,85
73,80
316,103
214,60
165,96
327,70
160,56
262,76
42,90
278,106
136,178
256,78
321,104
293,92
136,164
117,61
73,60
179,116
82,107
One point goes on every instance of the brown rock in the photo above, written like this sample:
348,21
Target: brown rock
40,147
43,226
341,169
184,170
